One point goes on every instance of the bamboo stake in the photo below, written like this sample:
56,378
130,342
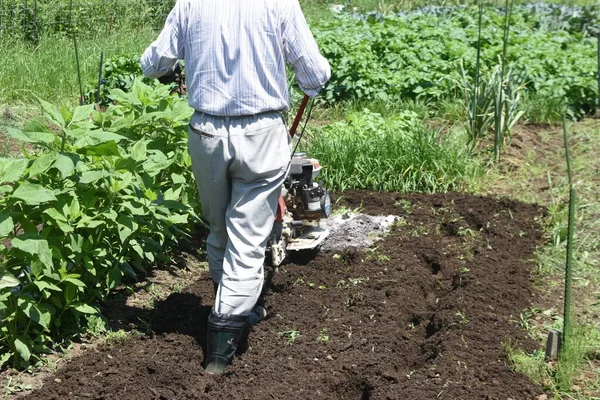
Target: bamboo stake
570,234
76,52
475,94
598,45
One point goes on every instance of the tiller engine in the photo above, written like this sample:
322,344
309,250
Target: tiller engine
302,205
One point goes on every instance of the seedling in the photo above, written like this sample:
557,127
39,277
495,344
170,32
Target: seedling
290,336
462,316
323,336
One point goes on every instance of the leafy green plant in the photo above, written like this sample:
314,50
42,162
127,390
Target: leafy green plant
416,55
290,336
103,196
323,336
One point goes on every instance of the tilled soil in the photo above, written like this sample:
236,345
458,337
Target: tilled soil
423,314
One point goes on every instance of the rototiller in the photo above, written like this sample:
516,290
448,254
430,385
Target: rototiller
302,204
303,201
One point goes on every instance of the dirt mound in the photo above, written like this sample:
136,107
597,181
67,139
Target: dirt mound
423,315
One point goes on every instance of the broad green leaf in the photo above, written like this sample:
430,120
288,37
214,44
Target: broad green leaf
178,219
135,207
31,137
37,268
85,309
127,270
7,280
114,277
150,194
35,245
60,220
121,181
89,265
178,179
65,165
43,285
156,162
6,225
12,169
126,227
147,118
55,215
41,164
33,312
82,112
98,136
75,281
87,222
122,122
5,357
138,150
171,194
74,208
181,111
33,194
5,189
109,148
36,124
22,349
52,113
92,176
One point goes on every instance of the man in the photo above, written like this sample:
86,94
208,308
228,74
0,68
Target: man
235,55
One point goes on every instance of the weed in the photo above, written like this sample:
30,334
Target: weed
290,336
323,336
462,317
382,258
13,386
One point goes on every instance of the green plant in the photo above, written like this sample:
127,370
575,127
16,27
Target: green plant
395,153
103,196
323,336
290,336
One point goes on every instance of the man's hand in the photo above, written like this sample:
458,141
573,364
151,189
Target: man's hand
172,76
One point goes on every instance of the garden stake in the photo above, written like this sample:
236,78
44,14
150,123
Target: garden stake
76,52
476,88
503,103
570,233
598,45
99,77
35,24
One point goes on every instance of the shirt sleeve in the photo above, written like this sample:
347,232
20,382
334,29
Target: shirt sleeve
161,56
301,51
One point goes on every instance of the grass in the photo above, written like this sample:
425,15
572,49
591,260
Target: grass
49,70
542,179
393,153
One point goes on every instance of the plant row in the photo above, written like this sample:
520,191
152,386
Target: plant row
419,55
95,198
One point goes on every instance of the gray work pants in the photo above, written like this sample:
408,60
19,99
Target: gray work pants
239,164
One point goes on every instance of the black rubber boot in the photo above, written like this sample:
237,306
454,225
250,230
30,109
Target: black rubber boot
224,333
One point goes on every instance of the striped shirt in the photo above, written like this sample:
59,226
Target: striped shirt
235,54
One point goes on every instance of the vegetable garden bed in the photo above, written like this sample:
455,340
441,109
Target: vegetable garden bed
427,313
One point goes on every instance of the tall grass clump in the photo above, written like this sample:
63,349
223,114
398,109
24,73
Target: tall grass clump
395,153
49,70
